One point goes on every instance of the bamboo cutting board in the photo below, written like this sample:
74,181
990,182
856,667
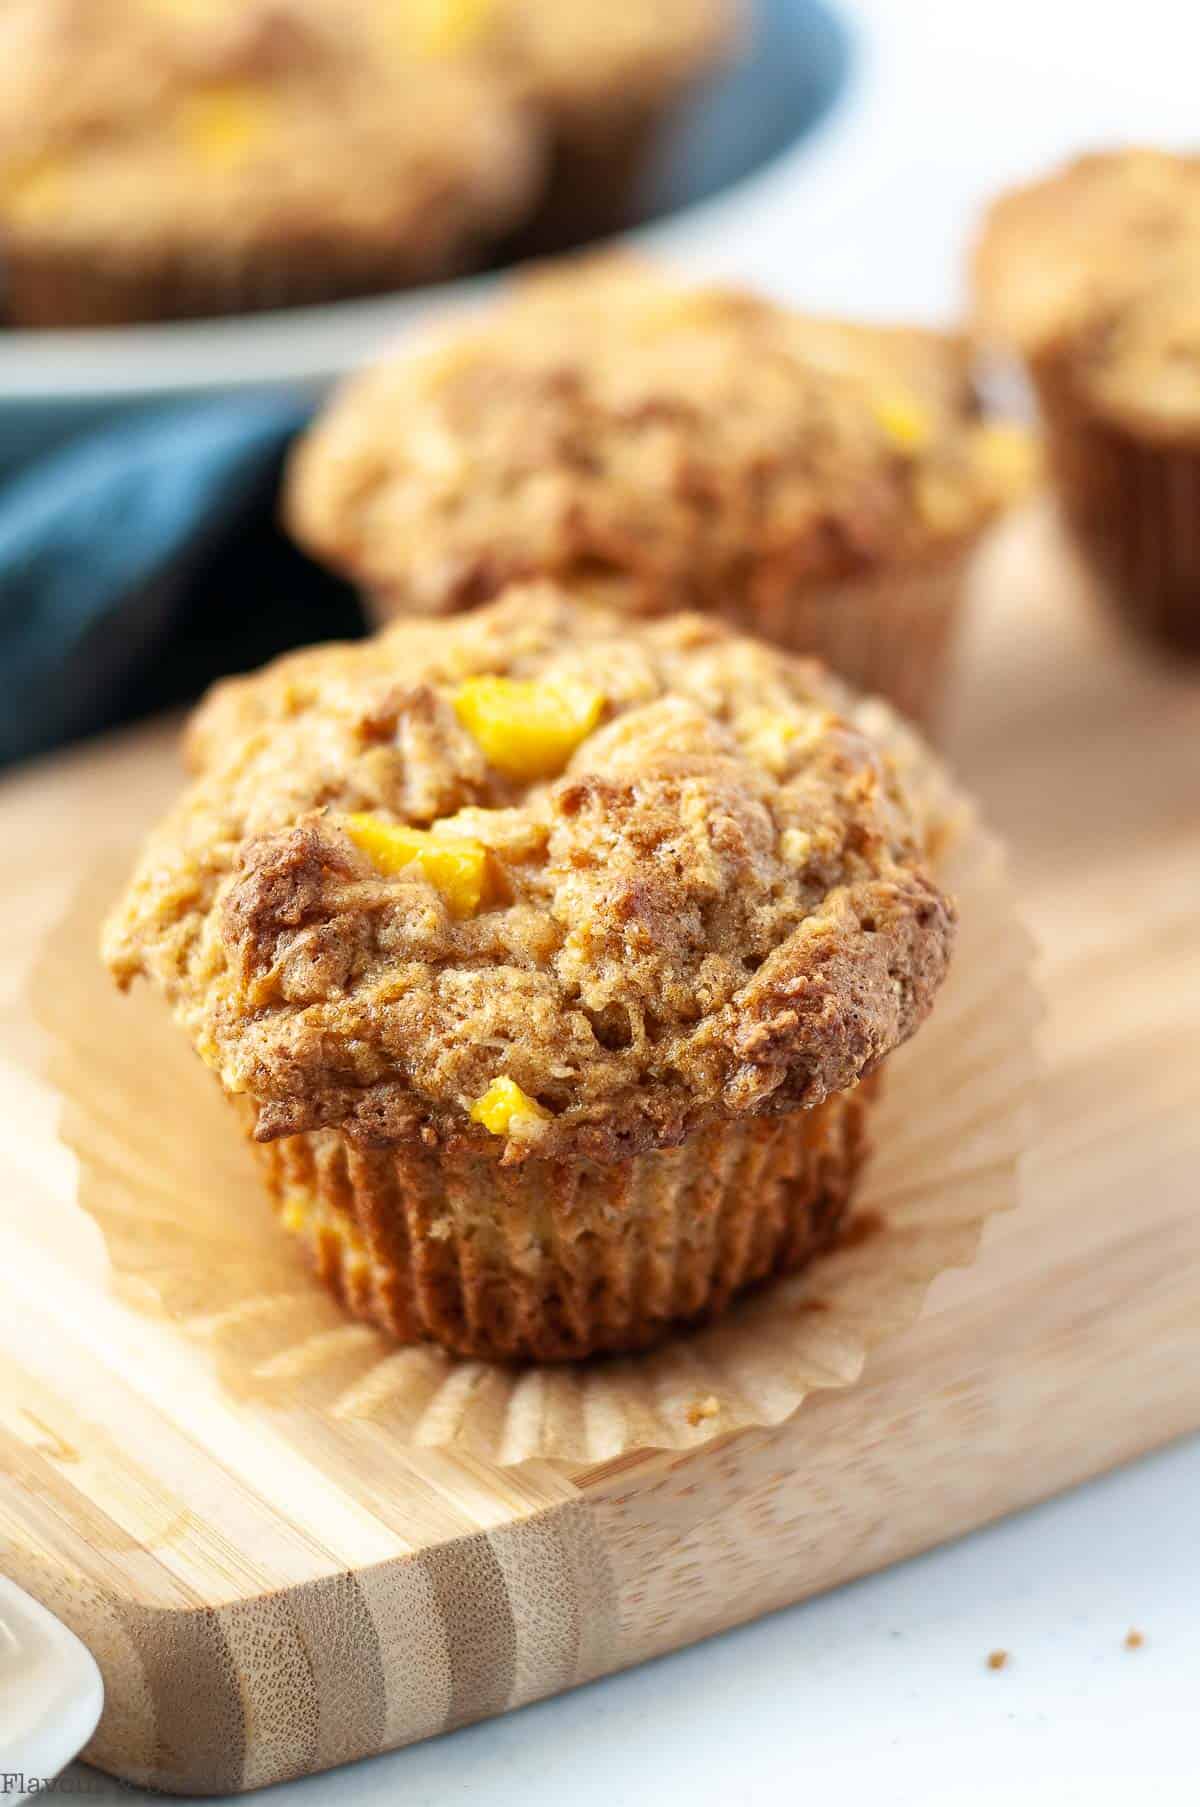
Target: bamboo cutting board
259,1612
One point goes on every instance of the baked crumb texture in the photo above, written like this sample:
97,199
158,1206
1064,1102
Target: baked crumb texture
159,161
813,481
1093,277
493,1011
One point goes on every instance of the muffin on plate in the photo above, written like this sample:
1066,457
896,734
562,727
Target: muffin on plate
158,162
601,79
545,955
1092,277
817,482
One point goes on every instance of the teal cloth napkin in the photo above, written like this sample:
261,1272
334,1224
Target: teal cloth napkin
141,562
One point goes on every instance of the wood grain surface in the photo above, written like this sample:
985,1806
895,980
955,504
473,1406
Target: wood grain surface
256,1620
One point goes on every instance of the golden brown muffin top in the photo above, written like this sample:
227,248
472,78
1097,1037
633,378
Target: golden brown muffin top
583,65
1099,265
596,884
706,445
130,120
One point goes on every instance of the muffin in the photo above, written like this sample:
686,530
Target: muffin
158,162
546,957
813,481
1092,277
600,79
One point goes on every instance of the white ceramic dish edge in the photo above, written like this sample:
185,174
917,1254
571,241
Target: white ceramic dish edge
51,1695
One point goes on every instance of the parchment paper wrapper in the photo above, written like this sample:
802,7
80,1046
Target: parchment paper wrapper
165,1173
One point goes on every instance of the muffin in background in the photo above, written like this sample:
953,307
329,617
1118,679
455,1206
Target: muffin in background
546,956
159,161
600,79
1092,277
814,481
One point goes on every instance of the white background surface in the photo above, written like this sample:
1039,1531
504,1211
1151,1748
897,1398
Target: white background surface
880,1693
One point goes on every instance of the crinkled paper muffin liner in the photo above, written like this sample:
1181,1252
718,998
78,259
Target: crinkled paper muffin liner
889,632
554,1260
1133,506
174,1190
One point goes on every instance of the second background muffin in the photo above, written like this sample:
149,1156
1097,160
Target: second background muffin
817,482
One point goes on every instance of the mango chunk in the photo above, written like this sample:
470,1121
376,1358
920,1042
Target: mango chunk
528,728
225,123
904,422
455,865
505,1107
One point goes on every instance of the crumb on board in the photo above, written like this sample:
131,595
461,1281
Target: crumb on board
702,1409
1134,1639
997,1659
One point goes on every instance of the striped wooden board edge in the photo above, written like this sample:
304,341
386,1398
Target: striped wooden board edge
205,1700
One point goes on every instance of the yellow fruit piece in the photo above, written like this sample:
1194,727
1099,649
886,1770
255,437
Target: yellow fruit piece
505,1107
904,421
224,124
528,728
454,865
